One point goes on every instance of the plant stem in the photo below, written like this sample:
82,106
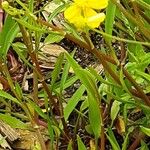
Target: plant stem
136,142
102,131
137,87
103,58
141,26
32,54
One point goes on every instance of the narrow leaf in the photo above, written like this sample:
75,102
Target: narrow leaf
145,130
109,21
81,145
114,110
73,101
8,96
94,115
6,38
13,122
57,69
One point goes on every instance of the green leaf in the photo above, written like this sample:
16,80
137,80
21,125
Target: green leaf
100,78
85,76
126,140
112,140
57,69
81,145
73,101
31,5
114,110
73,63
89,129
65,73
144,146
145,130
6,38
89,82
70,145
68,83
9,97
56,11
21,54
37,109
13,122
53,37
143,74
144,4
94,115
109,21
84,105
30,26
18,90
49,121
122,82
51,132
64,76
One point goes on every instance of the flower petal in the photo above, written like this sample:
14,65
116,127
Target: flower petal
83,16
93,19
72,12
95,4
74,15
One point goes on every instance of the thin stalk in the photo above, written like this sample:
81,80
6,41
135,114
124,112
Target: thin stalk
63,119
143,4
138,88
35,93
111,72
147,18
141,26
32,54
137,141
87,47
104,63
29,46
41,140
102,131
103,58
12,87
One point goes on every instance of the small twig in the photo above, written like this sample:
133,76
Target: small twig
102,131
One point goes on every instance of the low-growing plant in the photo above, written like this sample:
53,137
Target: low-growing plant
103,105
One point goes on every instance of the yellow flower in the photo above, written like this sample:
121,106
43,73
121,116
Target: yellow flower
81,13
95,4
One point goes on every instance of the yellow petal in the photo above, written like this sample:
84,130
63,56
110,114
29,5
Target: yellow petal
81,3
83,16
74,15
71,13
93,19
95,4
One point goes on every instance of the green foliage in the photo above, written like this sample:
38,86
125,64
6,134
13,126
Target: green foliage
121,87
8,96
73,101
81,145
13,122
6,38
112,139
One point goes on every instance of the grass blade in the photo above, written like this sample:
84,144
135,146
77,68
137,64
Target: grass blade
6,38
73,101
